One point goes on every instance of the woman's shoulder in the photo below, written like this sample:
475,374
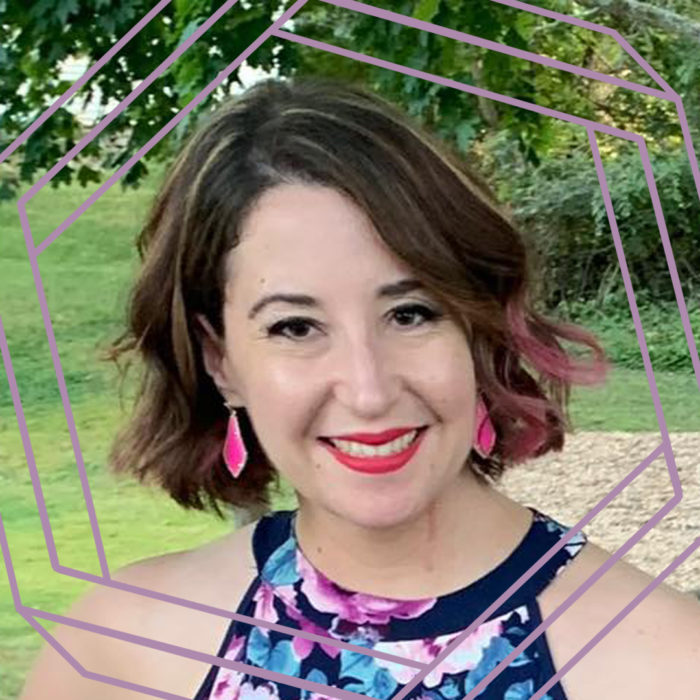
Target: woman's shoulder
653,651
206,570
215,575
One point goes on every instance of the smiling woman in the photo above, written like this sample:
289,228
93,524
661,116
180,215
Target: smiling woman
329,294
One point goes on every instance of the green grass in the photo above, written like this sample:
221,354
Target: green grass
624,403
85,274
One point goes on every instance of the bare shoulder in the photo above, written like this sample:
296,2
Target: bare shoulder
204,572
215,575
654,651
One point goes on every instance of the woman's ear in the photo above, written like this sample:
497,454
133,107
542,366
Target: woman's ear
214,357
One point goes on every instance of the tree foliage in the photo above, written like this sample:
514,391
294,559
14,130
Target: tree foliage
561,205
509,145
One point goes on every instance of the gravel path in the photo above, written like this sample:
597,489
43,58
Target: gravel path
566,485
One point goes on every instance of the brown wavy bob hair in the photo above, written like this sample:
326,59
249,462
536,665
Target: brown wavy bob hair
426,205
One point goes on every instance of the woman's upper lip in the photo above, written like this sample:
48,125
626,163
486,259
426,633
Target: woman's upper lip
375,438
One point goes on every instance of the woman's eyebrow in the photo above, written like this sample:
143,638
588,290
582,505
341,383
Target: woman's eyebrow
392,290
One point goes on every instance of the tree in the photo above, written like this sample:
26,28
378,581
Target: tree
42,34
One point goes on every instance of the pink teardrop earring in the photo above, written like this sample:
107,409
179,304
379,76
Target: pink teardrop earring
234,453
485,433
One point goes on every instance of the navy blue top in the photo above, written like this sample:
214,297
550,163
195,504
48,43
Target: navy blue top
290,591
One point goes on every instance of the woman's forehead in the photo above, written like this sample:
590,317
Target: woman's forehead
302,232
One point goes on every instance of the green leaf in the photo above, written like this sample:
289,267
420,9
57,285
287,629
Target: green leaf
426,10
191,28
66,8
87,175
465,135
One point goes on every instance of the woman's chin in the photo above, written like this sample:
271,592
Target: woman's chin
374,514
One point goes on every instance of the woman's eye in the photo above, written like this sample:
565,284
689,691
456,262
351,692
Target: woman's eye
411,310
296,325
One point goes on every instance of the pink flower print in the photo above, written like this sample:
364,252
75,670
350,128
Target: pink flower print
464,658
228,681
264,607
227,684
358,608
266,594
265,691
234,648
303,647
264,600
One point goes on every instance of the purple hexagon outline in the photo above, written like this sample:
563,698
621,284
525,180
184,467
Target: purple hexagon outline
591,128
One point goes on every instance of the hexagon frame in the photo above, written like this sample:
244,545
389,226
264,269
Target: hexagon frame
592,127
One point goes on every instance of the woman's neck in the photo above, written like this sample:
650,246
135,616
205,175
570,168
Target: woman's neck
456,540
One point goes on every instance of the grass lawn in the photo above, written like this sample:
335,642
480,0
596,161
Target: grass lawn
85,274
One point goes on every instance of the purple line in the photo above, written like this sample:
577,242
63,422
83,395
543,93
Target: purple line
157,9
397,18
613,493
53,556
663,231
670,461
169,126
12,578
673,472
516,585
551,14
210,659
25,614
29,455
617,619
613,33
612,220
37,277
29,614
592,126
75,664
66,402
601,571
668,250
72,430
683,119
247,619
146,82
627,281
137,590
695,169
462,87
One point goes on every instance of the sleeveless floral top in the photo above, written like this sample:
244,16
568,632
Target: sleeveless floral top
289,591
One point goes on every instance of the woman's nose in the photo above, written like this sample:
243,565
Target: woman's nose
367,379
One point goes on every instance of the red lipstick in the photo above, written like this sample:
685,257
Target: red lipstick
375,438
376,465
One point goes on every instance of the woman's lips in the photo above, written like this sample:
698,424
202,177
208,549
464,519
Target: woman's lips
379,464
376,438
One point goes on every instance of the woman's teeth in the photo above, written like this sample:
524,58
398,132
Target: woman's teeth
357,449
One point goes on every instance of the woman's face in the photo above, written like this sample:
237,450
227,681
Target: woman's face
346,360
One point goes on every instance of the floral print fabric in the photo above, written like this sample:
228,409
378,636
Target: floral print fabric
289,591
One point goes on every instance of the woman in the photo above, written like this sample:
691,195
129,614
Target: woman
330,295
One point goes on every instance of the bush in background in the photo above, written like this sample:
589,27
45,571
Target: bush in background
560,205
612,322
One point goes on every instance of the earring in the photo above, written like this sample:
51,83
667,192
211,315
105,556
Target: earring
234,453
485,433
